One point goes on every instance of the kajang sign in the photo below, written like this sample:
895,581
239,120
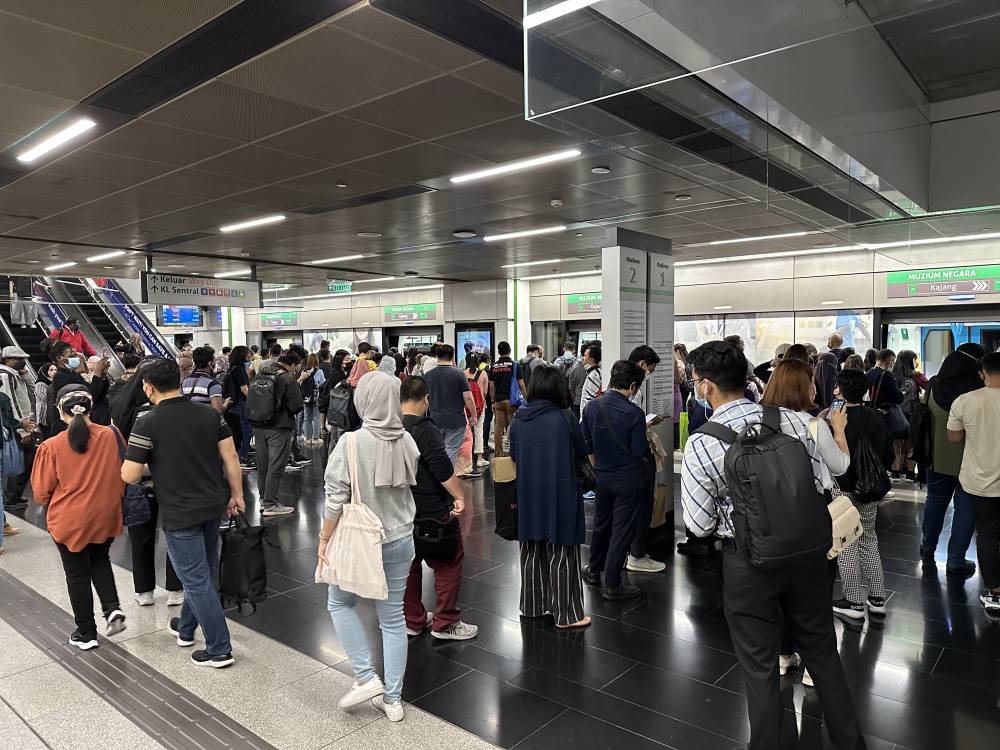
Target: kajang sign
173,289
933,282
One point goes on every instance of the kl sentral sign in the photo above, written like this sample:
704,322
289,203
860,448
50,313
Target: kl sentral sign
173,289
933,282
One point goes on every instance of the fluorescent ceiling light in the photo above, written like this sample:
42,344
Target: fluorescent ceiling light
367,291
931,241
227,274
532,263
723,307
106,256
758,239
760,256
559,275
258,222
832,302
555,11
517,166
370,281
56,140
60,266
336,260
525,233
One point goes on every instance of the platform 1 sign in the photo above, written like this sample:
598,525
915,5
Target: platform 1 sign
410,313
173,289
934,282
584,303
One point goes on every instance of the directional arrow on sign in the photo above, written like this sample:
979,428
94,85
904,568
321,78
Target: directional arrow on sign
980,286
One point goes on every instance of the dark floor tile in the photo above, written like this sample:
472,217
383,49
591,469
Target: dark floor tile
276,614
425,671
315,638
960,592
976,670
471,654
499,712
298,566
683,625
873,645
918,728
572,730
316,594
281,583
473,565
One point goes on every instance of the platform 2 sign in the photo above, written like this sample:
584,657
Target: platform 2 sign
584,303
410,313
934,282
173,289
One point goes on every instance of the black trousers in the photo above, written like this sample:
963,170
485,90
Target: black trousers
143,539
986,511
757,604
640,539
91,565
615,513
488,426
787,645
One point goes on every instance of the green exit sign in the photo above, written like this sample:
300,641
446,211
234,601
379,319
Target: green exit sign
339,287
279,320
410,313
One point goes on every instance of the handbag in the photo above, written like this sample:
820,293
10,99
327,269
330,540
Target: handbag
505,508
434,539
11,460
516,397
135,505
895,421
583,470
242,564
352,559
844,516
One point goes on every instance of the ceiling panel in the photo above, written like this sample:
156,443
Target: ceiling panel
25,111
325,183
144,139
149,198
513,138
205,184
419,162
443,105
497,78
278,198
335,139
95,166
329,69
261,164
229,111
76,189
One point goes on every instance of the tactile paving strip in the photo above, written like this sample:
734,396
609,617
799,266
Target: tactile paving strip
160,707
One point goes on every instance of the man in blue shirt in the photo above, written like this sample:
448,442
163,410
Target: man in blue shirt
615,432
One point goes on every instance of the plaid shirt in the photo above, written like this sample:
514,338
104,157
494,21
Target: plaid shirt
704,497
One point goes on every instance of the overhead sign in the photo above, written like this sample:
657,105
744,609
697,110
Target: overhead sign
339,287
172,289
933,282
410,313
584,303
279,320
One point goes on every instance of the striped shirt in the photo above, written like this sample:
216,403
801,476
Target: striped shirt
704,497
591,388
201,387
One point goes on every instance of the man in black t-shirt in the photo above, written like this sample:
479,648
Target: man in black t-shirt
190,454
501,375
452,407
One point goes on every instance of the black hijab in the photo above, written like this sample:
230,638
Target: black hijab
127,404
959,374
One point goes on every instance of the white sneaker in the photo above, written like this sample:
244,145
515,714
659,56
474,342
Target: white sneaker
807,679
427,624
392,711
116,623
175,598
457,631
644,565
361,693
145,599
889,494
786,662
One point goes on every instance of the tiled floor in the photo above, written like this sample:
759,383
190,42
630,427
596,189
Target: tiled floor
659,672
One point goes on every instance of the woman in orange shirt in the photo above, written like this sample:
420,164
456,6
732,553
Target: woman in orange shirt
77,474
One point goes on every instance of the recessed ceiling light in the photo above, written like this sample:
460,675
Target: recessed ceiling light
106,268
227,274
175,265
152,270
59,266
336,260
369,281
516,166
739,240
105,256
682,197
55,140
196,273
464,234
532,263
258,222
832,302
723,307
369,235
525,233
600,170
340,184
34,261
556,275
555,11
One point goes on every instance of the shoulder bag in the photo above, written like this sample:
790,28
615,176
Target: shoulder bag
353,556
583,470
644,460
895,420
844,516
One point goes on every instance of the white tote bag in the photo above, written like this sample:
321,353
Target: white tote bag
353,558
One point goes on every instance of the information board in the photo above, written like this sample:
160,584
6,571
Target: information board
933,282
173,289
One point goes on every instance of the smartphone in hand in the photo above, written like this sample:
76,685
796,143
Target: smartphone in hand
837,405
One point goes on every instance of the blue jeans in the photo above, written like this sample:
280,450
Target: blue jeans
240,410
453,439
396,559
307,422
941,488
192,552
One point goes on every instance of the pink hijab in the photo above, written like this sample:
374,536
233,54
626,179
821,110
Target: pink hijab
360,368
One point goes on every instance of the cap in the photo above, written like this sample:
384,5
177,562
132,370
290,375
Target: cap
781,349
13,352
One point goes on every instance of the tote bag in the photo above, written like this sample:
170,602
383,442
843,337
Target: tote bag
353,556
11,460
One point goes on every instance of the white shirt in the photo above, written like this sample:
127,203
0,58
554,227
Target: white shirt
834,461
978,413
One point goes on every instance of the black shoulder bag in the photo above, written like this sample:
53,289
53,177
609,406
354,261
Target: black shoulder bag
583,470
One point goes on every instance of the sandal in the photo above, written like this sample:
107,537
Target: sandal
578,624
9,530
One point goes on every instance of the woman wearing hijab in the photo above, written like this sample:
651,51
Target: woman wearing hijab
77,474
387,466
904,370
387,365
42,385
825,378
959,374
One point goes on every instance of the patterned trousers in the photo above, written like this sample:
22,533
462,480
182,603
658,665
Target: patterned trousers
862,558
551,582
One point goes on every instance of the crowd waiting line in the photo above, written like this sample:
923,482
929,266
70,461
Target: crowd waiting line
809,441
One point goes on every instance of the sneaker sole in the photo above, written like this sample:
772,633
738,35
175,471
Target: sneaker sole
380,706
452,637
266,513
84,645
361,697
180,641
630,569
115,628
877,610
852,614
214,664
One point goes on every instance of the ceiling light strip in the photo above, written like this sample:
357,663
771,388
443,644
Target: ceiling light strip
516,166
533,263
372,281
367,291
228,274
555,11
106,256
739,240
525,233
60,266
342,258
559,275
258,222
57,139
762,256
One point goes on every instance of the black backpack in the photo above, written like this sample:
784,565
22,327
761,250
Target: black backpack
338,407
921,434
262,399
242,565
779,517
872,481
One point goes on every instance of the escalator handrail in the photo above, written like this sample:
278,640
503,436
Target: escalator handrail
55,307
13,339
153,340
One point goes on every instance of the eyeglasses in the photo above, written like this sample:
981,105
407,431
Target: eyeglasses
693,382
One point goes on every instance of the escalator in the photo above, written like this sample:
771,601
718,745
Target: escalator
99,318
28,339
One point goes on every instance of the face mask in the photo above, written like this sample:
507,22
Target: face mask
73,362
19,364
702,401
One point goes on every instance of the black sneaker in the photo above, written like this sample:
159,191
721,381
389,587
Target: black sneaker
173,628
84,643
248,465
848,608
202,659
622,591
876,605
591,578
894,476
990,602
292,466
300,461
926,555
966,570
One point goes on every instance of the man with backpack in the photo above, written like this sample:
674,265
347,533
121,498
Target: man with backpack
501,374
273,400
752,476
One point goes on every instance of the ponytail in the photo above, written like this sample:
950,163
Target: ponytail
78,434
78,405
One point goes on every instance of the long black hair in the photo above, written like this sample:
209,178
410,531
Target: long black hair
127,402
77,403
238,356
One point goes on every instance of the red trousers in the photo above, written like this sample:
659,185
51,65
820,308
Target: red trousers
447,582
